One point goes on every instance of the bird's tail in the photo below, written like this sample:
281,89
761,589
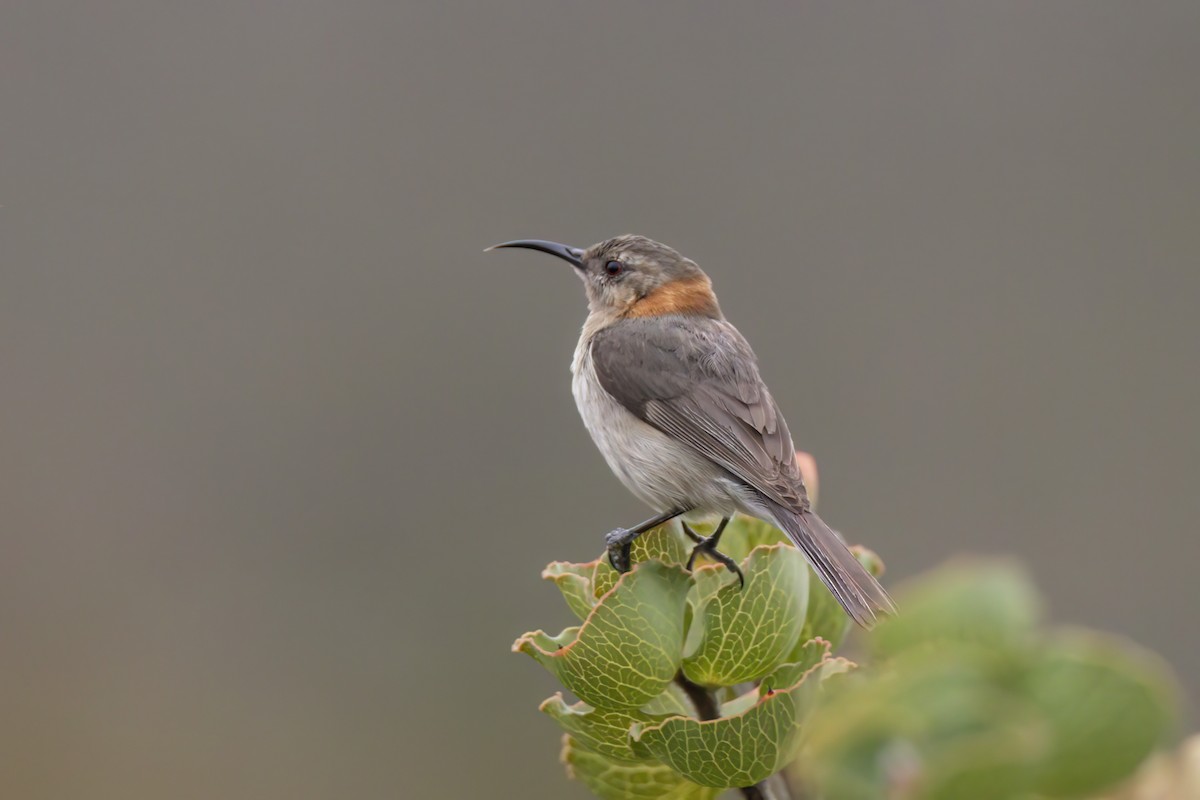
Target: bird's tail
855,588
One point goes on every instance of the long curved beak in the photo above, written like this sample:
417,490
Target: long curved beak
567,253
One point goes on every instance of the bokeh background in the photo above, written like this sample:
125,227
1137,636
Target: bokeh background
282,452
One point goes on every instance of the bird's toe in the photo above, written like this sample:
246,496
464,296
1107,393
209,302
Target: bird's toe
708,548
617,543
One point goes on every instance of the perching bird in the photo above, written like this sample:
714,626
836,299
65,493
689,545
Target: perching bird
671,394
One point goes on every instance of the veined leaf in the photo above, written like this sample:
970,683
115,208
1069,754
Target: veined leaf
575,583
666,543
605,733
740,634
743,534
629,647
743,749
813,653
613,780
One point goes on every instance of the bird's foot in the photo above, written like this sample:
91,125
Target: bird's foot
620,544
708,546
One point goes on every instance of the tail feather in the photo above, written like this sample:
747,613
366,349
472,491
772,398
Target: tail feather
855,588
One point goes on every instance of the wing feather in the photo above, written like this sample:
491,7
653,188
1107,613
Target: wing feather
697,380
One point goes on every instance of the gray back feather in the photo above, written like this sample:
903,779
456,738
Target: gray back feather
696,379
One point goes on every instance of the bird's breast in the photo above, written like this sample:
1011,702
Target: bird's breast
616,431
660,471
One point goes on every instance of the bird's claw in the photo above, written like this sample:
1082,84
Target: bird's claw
708,546
619,546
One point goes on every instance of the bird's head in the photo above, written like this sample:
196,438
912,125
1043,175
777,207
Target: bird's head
632,276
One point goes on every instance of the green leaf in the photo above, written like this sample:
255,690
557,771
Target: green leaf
825,618
575,583
742,749
629,647
813,653
934,721
868,558
990,764
807,656
673,701
740,634
1109,704
743,534
613,780
605,733
666,543
1166,776
987,604
604,577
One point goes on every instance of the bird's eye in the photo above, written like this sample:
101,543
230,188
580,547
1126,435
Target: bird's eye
614,268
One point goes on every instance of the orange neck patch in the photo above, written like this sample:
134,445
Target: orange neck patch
687,296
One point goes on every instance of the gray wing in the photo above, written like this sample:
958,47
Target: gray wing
696,379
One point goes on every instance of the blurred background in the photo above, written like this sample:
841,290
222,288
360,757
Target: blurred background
282,452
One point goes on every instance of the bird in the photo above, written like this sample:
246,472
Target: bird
671,394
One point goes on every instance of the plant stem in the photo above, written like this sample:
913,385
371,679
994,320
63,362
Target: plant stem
702,699
706,709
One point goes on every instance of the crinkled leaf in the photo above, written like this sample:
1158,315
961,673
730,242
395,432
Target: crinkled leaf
629,647
575,583
671,702
604,577
813,653
990,605
740,634
666,543
743,749
806,656
614,780
739,704
1109,705
603,732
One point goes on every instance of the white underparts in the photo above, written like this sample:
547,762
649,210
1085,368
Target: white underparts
658,470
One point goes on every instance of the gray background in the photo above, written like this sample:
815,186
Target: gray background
282,452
